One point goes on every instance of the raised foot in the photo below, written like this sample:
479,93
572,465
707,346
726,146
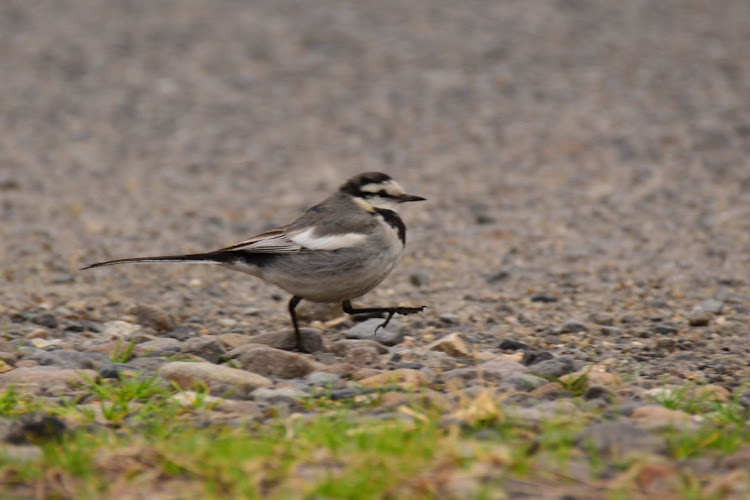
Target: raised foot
399,310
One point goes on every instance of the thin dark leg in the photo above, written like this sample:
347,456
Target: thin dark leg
293,304
348,309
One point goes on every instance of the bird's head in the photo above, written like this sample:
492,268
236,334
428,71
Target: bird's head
377,190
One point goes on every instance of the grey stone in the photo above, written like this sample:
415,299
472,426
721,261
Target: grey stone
207,347
272,362
491,371
525,382
45,378
711,305
620,439
602,318
64,358
322,379
450,318
312,340
555,367
393,334
533,357
45,319
342,347
573,326
273,395
160,344
186,374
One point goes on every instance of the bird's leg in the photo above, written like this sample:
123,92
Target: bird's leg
297,335
348,309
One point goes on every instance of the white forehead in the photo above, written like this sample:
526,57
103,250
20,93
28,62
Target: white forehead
390,186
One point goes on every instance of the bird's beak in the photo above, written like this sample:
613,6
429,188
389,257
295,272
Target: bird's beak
409,197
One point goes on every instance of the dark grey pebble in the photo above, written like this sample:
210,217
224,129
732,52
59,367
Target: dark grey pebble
599,392
532,357
574,326
413,365
45,319
512,345
182,333
64,358
664,329
544,297
500,275
556,367
34,428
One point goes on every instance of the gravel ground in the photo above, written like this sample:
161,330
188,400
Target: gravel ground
586,165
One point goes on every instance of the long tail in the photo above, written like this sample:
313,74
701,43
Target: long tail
208,258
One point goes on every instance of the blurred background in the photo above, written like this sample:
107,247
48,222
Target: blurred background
593,150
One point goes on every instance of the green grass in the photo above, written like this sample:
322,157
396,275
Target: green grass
132,435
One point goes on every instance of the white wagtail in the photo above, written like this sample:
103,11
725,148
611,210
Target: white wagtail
336,251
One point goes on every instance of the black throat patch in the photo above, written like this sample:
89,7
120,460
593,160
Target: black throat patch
394,221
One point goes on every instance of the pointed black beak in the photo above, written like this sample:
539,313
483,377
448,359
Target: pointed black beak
409,197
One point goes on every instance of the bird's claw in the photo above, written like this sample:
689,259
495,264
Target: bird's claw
399,310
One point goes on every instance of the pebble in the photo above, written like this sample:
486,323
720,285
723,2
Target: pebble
342,347
524,382
272,362
39,378
312,340
322,379
452,345
233,340
657,417
362,356
119,329
419,278
700,318
35,428
208,347
611,330
392,334
620,440
273,395
164,344
47,320
711,305
450,319
489,371
404,377
187,374
573,326
544,297
556,367
512,345
532,357
153,317
602,318
64,358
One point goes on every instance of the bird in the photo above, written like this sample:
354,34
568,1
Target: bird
335,252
